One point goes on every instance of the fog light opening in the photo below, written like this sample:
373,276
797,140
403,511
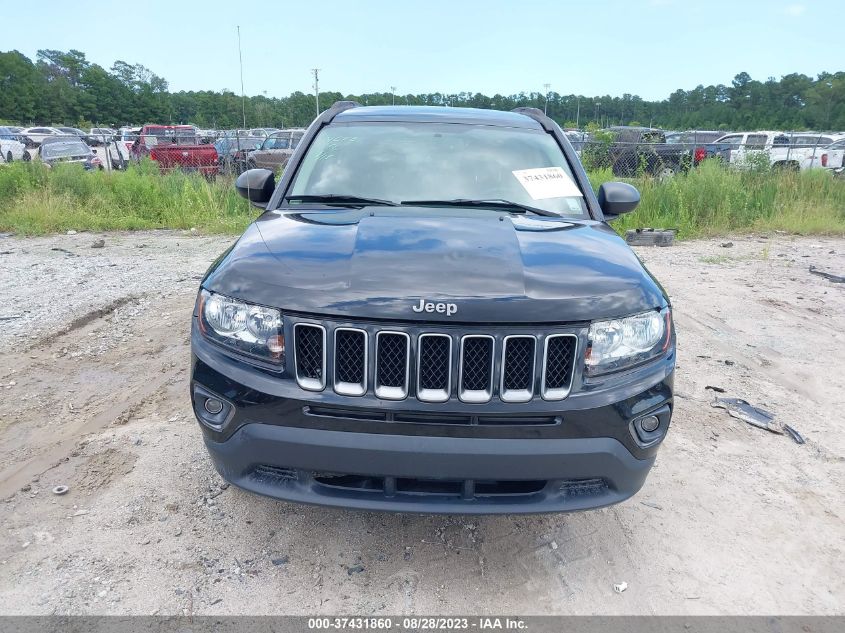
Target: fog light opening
650,423
213,406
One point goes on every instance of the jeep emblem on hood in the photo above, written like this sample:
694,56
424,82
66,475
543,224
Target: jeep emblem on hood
442,308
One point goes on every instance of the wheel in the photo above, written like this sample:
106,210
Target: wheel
26,157
9,157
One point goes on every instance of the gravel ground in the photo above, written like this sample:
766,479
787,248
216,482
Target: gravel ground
94,370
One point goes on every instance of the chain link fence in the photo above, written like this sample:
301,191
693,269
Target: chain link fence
628,152
632,152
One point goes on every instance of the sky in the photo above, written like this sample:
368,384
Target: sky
644,47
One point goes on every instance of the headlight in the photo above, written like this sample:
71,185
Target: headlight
621,343
254,330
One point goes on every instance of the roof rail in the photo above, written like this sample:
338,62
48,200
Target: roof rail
537,115
337,108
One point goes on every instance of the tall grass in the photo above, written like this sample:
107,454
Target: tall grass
709,200
713,200
34,200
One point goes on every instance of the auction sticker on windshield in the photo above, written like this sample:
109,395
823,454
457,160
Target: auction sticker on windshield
547,182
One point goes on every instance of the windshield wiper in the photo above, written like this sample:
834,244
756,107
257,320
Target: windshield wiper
341,200
493,203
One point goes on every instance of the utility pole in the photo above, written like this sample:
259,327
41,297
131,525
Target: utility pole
546,106
316,72
578,113
393,94
241,64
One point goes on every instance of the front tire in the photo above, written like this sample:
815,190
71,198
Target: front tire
9,157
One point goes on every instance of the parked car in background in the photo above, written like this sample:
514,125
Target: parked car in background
776,149
694,137
577,138
233,147
11,148
68,148
101,135
806,150
743,148
35,135
75,131
636,150
275,151
126,136
262,131
835,153
175,147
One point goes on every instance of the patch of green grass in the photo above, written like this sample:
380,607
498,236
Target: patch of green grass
709,200
34,200
714,200
715,259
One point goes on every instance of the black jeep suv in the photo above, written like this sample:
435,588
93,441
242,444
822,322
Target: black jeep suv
432,315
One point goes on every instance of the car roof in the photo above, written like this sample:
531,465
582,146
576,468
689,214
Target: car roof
437,114
67,138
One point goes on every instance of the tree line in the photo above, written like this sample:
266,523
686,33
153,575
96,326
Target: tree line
64,88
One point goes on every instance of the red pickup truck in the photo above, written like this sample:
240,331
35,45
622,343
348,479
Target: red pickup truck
176,147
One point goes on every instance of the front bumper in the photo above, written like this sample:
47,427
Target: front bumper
428,474
277,440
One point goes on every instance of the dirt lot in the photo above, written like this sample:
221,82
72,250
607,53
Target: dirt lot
93,378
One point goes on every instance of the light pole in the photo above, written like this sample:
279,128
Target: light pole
546,105
393,94
598,105
316,72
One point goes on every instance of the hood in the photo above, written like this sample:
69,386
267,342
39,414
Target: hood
380,262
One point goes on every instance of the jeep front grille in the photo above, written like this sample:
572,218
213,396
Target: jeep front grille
310,353
476,370
434,367
518,359
392,371
558,360
350,361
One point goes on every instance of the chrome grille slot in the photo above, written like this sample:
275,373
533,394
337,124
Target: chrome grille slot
310,353
434,367
392,365
350,361
558,366
517,384
476,369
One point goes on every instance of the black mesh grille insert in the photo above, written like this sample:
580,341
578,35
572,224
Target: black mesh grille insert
434,362
477,355
309,352
392,360
519,364
349,354
559,362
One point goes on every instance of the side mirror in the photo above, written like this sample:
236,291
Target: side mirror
616,198
256,185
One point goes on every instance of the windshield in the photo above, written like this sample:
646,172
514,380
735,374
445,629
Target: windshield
439,161
60,149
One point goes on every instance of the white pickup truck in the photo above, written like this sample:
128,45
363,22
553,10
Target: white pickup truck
781,150
805,151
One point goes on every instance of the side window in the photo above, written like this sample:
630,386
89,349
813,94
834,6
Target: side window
756,141
294,142
281,142
731,140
